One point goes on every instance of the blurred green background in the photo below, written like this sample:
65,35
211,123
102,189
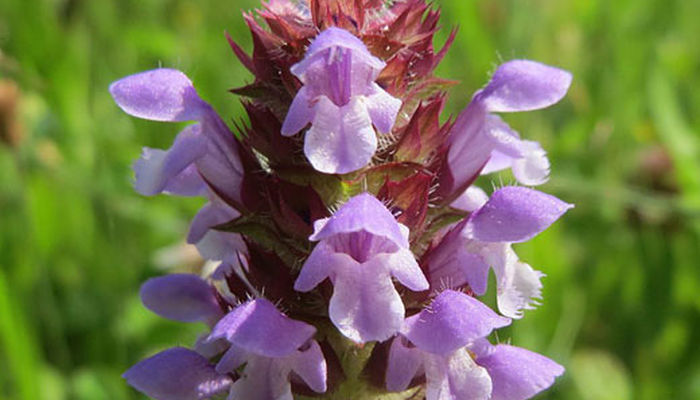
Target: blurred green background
621,303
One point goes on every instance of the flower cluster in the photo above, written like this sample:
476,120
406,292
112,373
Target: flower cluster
351,242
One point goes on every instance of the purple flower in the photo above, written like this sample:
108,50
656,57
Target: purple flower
226,248
272,346
213,244
202,161
177,374
182,297
168,95
360,248
172,171
516,373
526,159
446,342
341,101
186,298
480,141
512,214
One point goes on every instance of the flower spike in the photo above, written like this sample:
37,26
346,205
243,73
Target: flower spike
346,199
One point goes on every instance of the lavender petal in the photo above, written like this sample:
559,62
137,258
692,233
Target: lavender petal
341,139
321,264
362,212
177,374
301,112
181,297
452,320
405,269
523,85
456,376
403,364
383,108
258,327
518,374
515,214
310,365
161,95
158,170
472,199
365,305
